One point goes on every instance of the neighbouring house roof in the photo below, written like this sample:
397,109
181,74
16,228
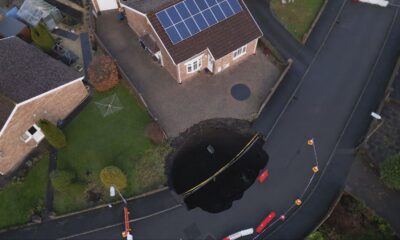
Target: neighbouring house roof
9,26
27,72
6,107
221,39
145,6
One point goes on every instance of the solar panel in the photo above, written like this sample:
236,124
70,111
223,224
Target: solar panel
189,17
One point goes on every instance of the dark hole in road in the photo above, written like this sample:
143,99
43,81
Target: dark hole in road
193,163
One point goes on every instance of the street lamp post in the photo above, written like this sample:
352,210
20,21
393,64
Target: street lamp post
114,189
378,118
126,234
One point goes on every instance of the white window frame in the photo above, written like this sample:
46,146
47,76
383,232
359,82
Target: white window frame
37,136
191,64
239,52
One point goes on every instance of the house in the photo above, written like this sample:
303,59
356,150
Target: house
33,86
189,36
10,26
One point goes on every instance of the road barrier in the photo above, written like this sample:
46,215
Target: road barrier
264,223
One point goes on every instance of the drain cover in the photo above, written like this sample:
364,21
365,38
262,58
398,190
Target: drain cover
240,92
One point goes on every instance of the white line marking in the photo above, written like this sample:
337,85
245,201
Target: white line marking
120,224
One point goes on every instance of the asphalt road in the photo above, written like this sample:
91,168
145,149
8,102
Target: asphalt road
336,80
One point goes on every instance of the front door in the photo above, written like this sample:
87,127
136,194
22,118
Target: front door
210,64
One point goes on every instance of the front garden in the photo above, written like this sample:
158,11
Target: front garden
25,195
110,131
298,16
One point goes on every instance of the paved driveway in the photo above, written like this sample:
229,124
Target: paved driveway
179,106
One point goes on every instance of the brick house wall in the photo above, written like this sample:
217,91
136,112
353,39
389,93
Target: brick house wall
140,25
53,105
185,76
137,22
228,61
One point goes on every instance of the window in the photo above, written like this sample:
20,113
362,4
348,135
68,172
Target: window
239,52
193,65
33,132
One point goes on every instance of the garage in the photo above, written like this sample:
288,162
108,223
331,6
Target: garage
104,5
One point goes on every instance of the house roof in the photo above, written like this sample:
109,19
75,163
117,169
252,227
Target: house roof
145,6
6,107
27,72
221,39
9,26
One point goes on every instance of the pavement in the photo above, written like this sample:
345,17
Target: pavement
328,95
177,107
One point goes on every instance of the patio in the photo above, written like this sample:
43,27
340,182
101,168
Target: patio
179,106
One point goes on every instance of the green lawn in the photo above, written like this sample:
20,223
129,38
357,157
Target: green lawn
94,141
298,16
19,200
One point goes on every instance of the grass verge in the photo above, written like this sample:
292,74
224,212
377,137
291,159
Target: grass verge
298,16
20,199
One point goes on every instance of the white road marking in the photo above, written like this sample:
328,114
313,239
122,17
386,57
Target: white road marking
119,224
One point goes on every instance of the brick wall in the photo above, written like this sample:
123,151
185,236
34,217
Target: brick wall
228,61
185,76
54,106
137,22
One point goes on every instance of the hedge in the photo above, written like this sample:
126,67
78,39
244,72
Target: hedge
112,175
53,135
61,180
390,171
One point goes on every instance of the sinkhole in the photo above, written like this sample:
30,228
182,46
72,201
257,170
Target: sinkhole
194,161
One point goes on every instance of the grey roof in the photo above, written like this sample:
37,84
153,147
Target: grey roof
9,26
27,72
6,107
145,6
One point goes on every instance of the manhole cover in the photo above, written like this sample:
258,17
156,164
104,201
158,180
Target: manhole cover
240,92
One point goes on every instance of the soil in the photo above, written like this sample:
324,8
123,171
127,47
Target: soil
191,163
351,219
155,133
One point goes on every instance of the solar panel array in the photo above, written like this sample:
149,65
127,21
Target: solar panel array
189,17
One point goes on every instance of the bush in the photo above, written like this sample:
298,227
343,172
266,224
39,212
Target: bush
316,236
112,175
103,73
54,135
42,38
61,180
390,171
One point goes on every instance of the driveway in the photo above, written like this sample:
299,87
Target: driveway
179,106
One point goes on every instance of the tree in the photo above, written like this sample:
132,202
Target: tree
390,171
112,175
53,135
103,73
61,180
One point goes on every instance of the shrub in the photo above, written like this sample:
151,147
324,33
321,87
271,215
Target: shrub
61,180
316,236
103,73
390,171
111,175
54,135
42,38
